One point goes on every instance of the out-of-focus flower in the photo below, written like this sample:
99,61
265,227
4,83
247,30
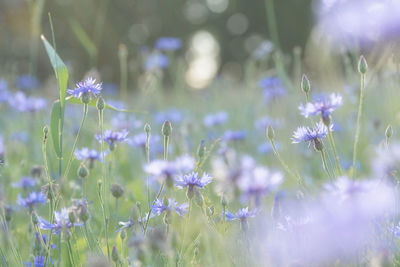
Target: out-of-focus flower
173,115
23,103
192,180
61,222
34,198
125,121
168,44
272,88
4,93
242,214
156,61
263,50
159,207
89,87
113,137
216,119
27,82
125,225
386,162
139,140
323,107
25,182
91,155
351,23
230,135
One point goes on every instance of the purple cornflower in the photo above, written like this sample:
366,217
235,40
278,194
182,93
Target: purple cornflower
25,182
171,205
89,88
112,137
230,135
91,155
168,44
307,134
156,61
27,82
125,225
216,119
192,180
263,50
324,107
38,261
61,222
23,103
241,215
272,88
31,200
4,93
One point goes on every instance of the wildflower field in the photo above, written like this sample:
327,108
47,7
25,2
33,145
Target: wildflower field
173,150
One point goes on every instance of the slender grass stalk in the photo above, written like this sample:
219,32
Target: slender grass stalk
184,231
37,11
123,63
325,166
362,68
332,142
85,111
70,252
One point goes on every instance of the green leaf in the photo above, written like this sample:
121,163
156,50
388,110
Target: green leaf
55,120
83,38
92,103
60,70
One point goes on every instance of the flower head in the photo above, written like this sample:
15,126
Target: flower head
191,180
272,88
86,154
61,222
89,87
112,137
156,61
25,182
22,103
159,207
307,134
125,225
168,44
230,135
242,214
34,198
324,107
27,82
216,119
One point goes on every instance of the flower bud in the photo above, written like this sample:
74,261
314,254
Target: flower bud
270,132
114,254
166,129
35,218
224,201
326,120
100,104
8,211
45,131
318,146
83,172
85,98
122,235
362,65
83,214
117,190
71,216
389,132
305,84
147,128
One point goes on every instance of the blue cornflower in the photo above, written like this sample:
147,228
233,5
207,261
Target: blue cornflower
112,137
241,215
191,180
91,155
168,44
31,200
307,134
263,50
27,82
230,135
215,119
61,222
23,103
89,88
272,88
39,261
125,225
156,61
25,182
324,107
44,238
171,205
4,93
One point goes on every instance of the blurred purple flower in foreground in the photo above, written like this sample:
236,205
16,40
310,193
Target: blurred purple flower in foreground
358,22
168,44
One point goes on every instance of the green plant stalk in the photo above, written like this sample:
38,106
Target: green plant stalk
104,184
325,166
184,231
71,253
358,125
123,74
147,152
37,11
332,142
284,165
85,111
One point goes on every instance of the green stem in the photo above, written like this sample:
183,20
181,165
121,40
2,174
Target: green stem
324,163
85,111
184,231
284,165
332,142
166,142
358,125
71,253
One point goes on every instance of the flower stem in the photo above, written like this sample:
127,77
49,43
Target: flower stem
332,142
324,164
358,125
85,111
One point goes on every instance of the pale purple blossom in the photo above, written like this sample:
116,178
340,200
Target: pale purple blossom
307,134
25,182
242,214
88,87
61,222
159,207
193,180
168,44
23,103
33,199
322,107
216,119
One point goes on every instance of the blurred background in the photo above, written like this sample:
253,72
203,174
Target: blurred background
218,36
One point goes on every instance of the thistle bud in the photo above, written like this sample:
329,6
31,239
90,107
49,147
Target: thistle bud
114,254
37,171
389,132
147,128
117,190
83,214
362,65
318,146
122,235
45,131
305,84
270,132
201,150
100,104
85,98
35,218
83,172
71,216
8,211
166,129
224,201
